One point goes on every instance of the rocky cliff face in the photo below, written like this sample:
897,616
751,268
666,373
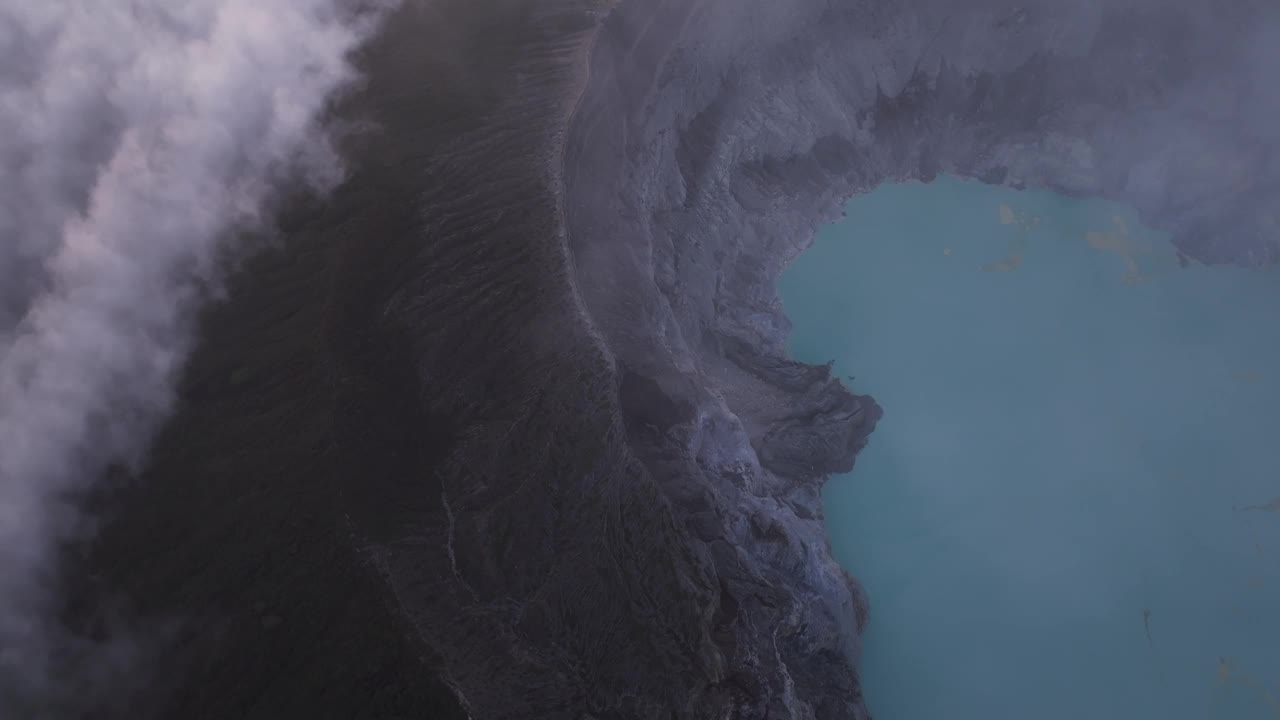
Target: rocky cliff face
543,364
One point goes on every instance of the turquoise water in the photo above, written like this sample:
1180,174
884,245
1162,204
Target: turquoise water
1071,508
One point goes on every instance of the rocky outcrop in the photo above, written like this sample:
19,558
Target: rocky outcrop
524,376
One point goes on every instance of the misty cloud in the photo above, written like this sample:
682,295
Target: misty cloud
137,136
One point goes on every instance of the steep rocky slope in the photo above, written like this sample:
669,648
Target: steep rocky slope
508,430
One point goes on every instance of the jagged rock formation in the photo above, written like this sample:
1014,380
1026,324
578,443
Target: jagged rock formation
524,377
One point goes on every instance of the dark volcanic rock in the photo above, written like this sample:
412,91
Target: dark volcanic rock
520,437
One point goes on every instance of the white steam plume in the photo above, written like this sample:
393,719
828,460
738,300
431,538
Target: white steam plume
135,135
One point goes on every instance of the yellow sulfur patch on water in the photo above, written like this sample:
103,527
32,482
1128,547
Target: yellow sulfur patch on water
1115,240
1227,676
1272,505
1025,222
1143,260
1118,240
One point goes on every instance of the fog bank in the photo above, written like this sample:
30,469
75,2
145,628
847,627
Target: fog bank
138,136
